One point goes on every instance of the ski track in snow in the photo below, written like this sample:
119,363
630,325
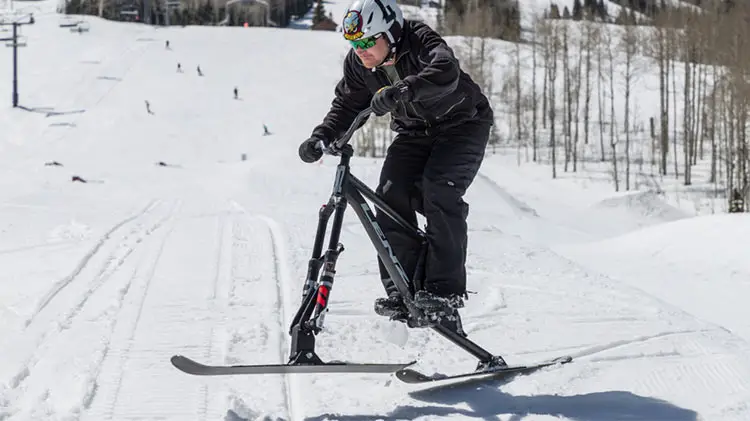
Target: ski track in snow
273,257
58,286
92,295
174,307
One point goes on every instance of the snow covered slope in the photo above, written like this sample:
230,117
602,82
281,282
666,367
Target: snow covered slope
204,256
698,264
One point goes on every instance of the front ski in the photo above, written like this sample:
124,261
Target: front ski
408,375
190,366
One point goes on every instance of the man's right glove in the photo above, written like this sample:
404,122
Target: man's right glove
388,97
310,150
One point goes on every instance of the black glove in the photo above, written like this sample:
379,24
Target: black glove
386,99
310,151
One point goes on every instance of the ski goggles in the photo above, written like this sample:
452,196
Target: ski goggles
365,43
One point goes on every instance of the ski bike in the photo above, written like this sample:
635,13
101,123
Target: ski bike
348,190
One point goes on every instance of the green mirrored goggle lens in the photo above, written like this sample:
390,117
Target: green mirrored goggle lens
364,43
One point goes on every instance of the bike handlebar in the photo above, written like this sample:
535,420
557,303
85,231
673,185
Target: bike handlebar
346,137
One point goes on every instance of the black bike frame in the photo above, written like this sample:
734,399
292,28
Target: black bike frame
349,190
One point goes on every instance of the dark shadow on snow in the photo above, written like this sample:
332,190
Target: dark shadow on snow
234,416
56,113
42,110
486,401
49,111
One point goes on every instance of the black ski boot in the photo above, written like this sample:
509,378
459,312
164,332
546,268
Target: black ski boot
441,310
391,306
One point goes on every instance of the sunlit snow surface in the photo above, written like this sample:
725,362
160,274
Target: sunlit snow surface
100,283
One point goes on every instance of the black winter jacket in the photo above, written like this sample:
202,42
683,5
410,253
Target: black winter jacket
443,95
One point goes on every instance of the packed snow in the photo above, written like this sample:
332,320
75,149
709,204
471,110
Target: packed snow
192,232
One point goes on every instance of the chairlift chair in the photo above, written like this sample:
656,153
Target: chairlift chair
68,22
83,26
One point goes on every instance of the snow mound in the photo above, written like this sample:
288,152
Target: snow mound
707,245
700,265
645,204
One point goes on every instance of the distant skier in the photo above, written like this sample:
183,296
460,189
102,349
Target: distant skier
236,93
166,45
443,123
179,68
199,71
148,107
266,132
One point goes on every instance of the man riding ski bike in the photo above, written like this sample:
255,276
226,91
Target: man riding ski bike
443,123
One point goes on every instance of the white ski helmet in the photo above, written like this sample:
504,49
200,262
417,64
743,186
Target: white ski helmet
365,18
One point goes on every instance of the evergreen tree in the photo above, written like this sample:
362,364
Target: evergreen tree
602,10
623,17
589,9
566,13
319,14
455,6
577,10
511,25
554,11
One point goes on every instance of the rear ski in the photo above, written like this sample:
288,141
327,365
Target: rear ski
411,376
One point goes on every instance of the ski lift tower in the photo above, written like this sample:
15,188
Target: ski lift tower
262,3
15,41
168,6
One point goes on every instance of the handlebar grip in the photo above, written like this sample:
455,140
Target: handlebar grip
343,140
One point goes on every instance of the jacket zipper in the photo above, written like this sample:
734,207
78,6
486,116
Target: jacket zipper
451,108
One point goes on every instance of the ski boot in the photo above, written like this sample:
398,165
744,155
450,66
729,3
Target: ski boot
392,307
435,309
441,310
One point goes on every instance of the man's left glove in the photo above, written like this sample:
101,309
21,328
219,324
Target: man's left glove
387,98
310,150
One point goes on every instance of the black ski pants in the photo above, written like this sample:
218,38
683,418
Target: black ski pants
430,175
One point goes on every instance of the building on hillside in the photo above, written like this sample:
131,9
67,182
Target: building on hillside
326,24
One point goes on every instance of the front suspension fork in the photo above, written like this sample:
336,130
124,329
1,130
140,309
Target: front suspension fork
315,293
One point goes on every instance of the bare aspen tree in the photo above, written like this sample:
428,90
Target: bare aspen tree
565,32
673,43
534,99
604,37
554,46
510,97
629,43
543,27
577,68
518,105
659,50
689,56
713,107
610,53
591,37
